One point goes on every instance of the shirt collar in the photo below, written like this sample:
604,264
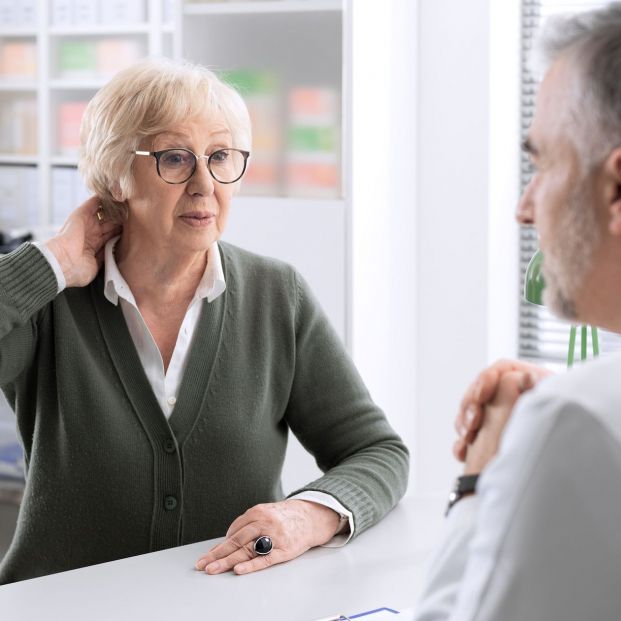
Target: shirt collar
211,285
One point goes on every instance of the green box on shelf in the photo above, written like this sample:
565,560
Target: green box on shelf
77,58
309,138
251,82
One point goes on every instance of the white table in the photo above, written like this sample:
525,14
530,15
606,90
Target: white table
382,567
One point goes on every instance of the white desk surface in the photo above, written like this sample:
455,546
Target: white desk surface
382,567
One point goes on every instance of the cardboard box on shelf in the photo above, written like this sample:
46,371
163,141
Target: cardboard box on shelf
69,118
19,198
122,11
18,125
62,13
313,143
116,54
18,59
77,59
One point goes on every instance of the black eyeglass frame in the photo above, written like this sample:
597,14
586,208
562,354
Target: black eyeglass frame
158,154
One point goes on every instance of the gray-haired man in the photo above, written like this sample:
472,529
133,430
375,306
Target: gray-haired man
540,539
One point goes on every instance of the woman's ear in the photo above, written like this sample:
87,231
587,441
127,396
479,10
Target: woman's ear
115,190
612,170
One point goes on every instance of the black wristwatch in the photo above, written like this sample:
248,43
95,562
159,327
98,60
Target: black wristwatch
464,486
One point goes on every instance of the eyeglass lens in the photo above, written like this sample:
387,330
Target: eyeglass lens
178,165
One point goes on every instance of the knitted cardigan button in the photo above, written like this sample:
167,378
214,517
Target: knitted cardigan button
170,502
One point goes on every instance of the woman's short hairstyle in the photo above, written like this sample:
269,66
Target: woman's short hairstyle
140,102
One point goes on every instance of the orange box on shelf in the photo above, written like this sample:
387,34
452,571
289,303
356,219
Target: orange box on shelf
69,118
116,54
18,59
313,143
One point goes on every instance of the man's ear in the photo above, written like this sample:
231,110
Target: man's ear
612,171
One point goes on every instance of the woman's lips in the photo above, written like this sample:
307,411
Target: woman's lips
198,220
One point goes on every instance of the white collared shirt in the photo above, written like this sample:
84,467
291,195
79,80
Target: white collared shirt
166,383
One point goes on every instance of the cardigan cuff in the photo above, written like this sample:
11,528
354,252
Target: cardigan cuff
350,496
27,279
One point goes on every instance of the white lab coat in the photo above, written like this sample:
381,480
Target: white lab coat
541,540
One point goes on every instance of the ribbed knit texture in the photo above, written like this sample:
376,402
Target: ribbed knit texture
109,476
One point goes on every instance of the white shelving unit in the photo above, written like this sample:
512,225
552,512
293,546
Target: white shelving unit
36,100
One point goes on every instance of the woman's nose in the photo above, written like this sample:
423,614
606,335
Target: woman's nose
201,183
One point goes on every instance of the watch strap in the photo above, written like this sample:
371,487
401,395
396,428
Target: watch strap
465,485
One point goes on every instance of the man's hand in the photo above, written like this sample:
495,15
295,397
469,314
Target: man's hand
79,244
497,413
293,525
482,391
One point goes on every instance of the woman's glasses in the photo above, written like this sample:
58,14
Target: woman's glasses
178,165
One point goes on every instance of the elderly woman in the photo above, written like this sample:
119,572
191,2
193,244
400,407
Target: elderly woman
155,371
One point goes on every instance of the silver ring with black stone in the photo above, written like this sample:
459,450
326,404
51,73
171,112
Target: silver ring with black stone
263,545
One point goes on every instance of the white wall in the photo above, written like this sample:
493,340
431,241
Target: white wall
384,218
430,289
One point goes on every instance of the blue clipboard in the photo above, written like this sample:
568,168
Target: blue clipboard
360,615
369,615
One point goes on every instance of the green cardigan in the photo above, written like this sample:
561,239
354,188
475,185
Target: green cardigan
108,476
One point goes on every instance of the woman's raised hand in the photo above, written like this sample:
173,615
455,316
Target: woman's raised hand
79,244
293,525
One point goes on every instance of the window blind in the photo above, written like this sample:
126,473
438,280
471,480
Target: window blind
542,337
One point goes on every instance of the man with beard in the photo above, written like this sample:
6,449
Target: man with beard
538,535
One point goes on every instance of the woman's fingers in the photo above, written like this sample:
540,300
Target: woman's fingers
238,540
275,557
291,524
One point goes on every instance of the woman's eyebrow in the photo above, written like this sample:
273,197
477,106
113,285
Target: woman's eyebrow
171,135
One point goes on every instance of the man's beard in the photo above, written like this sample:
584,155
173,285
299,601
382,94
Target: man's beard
568,261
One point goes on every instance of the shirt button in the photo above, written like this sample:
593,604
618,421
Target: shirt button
171,401
169,446
170,502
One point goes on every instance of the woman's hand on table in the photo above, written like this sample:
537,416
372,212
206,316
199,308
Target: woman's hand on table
79,244
294,527
482,391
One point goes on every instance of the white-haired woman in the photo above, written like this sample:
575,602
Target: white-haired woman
155,372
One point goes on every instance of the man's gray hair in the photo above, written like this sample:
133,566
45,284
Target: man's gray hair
591,41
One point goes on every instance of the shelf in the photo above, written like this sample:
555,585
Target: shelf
78,85
16,85
9,158
17,31
237,8
64,160
103,29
